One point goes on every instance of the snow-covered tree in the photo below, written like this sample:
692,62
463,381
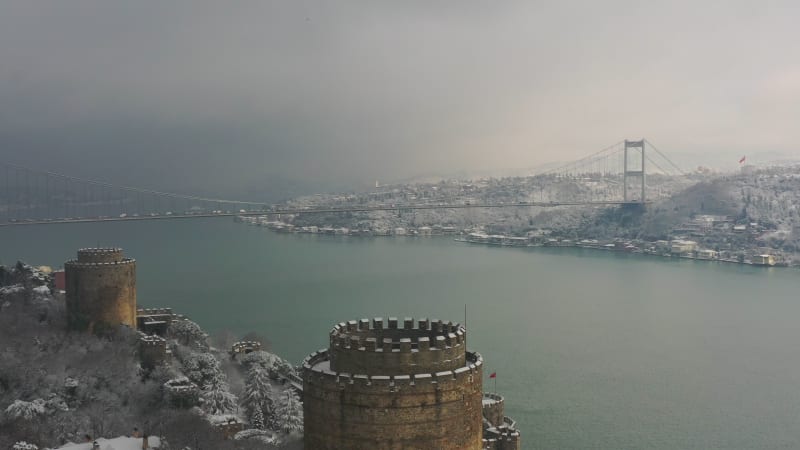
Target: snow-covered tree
257,391
217,398
257,419
189,333
201,368
25,410
273,364
288,415
55,404
22,445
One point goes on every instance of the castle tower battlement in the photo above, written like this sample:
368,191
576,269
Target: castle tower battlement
394,384
381,347
100,255
153,350
504,437
101,289
244,347
319,373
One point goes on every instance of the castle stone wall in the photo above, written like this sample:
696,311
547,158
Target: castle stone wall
389,397
152,350
502,438
101,289
493,409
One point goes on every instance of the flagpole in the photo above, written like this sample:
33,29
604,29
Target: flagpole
495,384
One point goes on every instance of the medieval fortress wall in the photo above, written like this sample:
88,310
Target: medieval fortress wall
380,385
385,386
101,289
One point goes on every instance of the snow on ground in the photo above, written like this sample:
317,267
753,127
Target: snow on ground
11,290
120,443
41,291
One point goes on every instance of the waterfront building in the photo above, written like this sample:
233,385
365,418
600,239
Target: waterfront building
707,254
764,260
680,246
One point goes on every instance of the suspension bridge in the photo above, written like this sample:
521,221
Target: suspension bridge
32,196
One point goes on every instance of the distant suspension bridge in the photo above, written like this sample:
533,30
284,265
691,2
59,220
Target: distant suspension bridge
31,196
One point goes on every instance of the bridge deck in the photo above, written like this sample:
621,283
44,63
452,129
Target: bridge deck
320,211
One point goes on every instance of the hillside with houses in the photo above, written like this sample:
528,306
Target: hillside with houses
738,217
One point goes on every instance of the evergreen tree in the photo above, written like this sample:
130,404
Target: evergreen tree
257,391
289,413
217,399
201,368
257,419
189,333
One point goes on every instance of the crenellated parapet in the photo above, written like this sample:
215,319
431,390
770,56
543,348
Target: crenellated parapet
386,384
379,347
99,265
228,427
100,255
500,432
152,341
493,409
153,350
181,392
154,312
244,347
155,320
317,372
501,438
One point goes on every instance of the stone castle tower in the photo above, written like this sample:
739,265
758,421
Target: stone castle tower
394,385
101,289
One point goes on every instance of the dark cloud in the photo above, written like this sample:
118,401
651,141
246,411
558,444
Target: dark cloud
241,97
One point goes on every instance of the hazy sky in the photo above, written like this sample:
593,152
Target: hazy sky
231,96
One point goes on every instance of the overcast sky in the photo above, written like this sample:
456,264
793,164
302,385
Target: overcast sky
231,96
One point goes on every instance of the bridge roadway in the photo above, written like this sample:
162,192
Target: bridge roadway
317,211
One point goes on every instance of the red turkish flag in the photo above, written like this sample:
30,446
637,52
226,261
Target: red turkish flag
493,375
742,160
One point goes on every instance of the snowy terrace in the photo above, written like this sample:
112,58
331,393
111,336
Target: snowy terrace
120,443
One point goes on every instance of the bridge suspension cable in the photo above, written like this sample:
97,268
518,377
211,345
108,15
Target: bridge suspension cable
34,195
598,154
669,161
131,189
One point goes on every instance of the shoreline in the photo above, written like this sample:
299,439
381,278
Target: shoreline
639,252
503,241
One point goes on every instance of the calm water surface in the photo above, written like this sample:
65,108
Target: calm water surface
592,350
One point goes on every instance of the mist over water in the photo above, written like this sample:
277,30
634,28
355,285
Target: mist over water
592,350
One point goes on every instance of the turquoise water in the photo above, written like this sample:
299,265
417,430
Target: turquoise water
592,349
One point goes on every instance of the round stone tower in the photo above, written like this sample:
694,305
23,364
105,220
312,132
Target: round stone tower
389,385
101,289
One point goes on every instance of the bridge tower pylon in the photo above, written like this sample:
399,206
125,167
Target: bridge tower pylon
627,172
